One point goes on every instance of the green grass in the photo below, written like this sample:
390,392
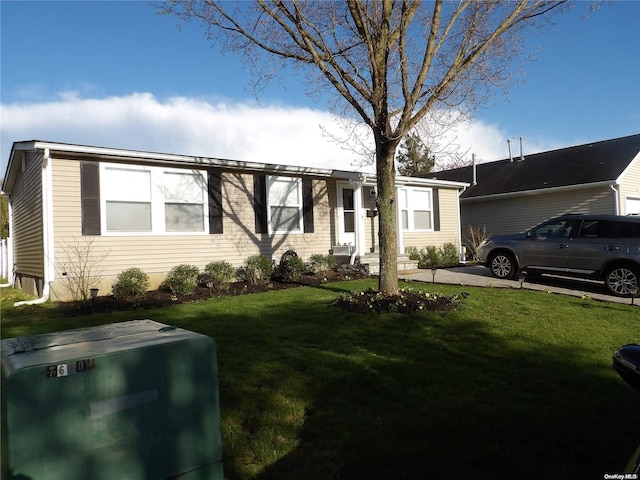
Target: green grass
518,384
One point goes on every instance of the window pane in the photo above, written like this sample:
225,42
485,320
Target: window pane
347,198
557,229
404,201
599,229
183,187
421,220
183,217
285,219
405,219
349,222
421,200
283,191
128,217
126,184
629,229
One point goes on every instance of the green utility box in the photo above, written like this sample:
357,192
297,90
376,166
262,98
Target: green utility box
133,400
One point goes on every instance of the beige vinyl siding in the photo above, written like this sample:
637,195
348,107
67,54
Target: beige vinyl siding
517,214
630,185
449,226
27,221
156,255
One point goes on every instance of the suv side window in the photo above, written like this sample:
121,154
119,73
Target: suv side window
600,229
630,229
557,229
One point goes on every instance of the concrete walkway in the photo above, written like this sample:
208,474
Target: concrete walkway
478,276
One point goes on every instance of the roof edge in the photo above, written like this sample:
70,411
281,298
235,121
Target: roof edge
539,191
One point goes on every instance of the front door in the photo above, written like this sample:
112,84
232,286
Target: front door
548,246
346,215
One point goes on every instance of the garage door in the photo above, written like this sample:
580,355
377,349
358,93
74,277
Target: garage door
633,206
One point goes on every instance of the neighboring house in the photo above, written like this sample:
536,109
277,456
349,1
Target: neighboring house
513,195
155,211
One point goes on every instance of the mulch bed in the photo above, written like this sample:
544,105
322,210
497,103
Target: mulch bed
164,298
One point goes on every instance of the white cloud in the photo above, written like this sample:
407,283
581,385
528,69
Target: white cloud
270,134
178,125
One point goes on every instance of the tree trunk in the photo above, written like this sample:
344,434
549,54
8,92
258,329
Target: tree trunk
387,223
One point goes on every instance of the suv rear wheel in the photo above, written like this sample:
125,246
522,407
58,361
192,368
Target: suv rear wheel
503,265
620,279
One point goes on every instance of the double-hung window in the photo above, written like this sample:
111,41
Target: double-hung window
416,209
153,200
284,196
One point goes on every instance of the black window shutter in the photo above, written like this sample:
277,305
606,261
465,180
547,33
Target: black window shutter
214,181
436,210
307,204
260,202
90,197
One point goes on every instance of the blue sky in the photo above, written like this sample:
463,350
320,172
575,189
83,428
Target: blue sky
117,74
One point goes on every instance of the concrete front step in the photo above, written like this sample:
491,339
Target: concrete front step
372,263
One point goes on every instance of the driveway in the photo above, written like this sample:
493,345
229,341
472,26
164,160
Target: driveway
479,276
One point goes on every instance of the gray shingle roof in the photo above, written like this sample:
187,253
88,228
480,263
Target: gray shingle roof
583,164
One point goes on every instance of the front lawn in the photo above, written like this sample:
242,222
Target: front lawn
517,384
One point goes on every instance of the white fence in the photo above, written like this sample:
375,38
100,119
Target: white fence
6,260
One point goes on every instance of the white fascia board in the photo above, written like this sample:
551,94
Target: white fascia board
171,159
539,191
429,182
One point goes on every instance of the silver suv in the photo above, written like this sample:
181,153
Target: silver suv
603,247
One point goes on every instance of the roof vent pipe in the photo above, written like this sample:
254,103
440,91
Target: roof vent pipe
473,160
521,154
509,144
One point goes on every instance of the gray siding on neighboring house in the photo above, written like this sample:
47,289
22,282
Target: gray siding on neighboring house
630,187
511,196
27,225
519,213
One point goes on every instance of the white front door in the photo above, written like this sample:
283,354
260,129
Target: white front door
346,215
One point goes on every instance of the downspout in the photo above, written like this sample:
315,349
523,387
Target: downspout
11,274
47,232
616,198
463,252
399,231
357,213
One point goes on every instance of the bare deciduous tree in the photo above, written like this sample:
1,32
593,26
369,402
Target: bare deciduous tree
390,62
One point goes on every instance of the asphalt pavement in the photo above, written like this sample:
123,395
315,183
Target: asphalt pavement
479,276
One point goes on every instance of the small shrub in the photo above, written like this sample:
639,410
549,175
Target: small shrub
257,269
449,254
319,263
220,274
432,256
291,266
131,285
182,279
413,252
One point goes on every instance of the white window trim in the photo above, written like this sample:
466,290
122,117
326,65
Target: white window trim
298,180
157,201
410,209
